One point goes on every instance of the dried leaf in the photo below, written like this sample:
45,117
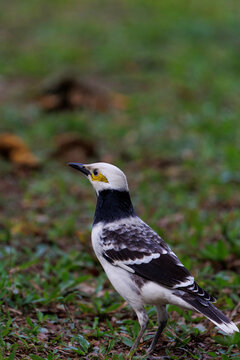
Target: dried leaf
71,147
16,151
69,93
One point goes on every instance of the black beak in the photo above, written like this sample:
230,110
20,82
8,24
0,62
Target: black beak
80,167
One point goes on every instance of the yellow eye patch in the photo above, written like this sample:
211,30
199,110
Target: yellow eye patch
99,177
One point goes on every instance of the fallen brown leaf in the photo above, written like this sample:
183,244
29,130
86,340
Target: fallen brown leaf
13,148
71,147
69,93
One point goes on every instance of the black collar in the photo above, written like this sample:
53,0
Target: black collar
113,205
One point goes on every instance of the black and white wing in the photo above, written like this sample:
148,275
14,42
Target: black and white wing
134,246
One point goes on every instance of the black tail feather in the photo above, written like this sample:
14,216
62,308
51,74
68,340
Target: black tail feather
210,311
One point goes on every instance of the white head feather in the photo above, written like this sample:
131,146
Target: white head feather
115,179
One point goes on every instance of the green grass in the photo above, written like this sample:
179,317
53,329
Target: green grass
177,140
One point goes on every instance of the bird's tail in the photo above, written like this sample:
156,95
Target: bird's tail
216,316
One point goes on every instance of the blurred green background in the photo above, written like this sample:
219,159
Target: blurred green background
153,87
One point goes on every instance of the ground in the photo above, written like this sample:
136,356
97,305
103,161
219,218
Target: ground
152,87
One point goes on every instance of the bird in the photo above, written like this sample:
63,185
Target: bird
140,265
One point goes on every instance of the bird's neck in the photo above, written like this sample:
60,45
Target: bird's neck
113,205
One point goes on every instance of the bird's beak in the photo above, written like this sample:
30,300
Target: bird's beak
80,167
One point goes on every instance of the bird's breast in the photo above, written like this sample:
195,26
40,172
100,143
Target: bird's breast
96,239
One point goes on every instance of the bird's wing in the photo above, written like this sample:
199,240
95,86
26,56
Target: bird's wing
135,247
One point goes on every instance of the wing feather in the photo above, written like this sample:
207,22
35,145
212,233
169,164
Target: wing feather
143,251
135,247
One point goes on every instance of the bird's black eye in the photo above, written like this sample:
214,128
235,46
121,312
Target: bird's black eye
95,172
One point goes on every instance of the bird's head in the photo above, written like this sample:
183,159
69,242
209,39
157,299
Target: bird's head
103,176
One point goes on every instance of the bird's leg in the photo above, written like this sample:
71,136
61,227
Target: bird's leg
143,321
156,337
162,322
